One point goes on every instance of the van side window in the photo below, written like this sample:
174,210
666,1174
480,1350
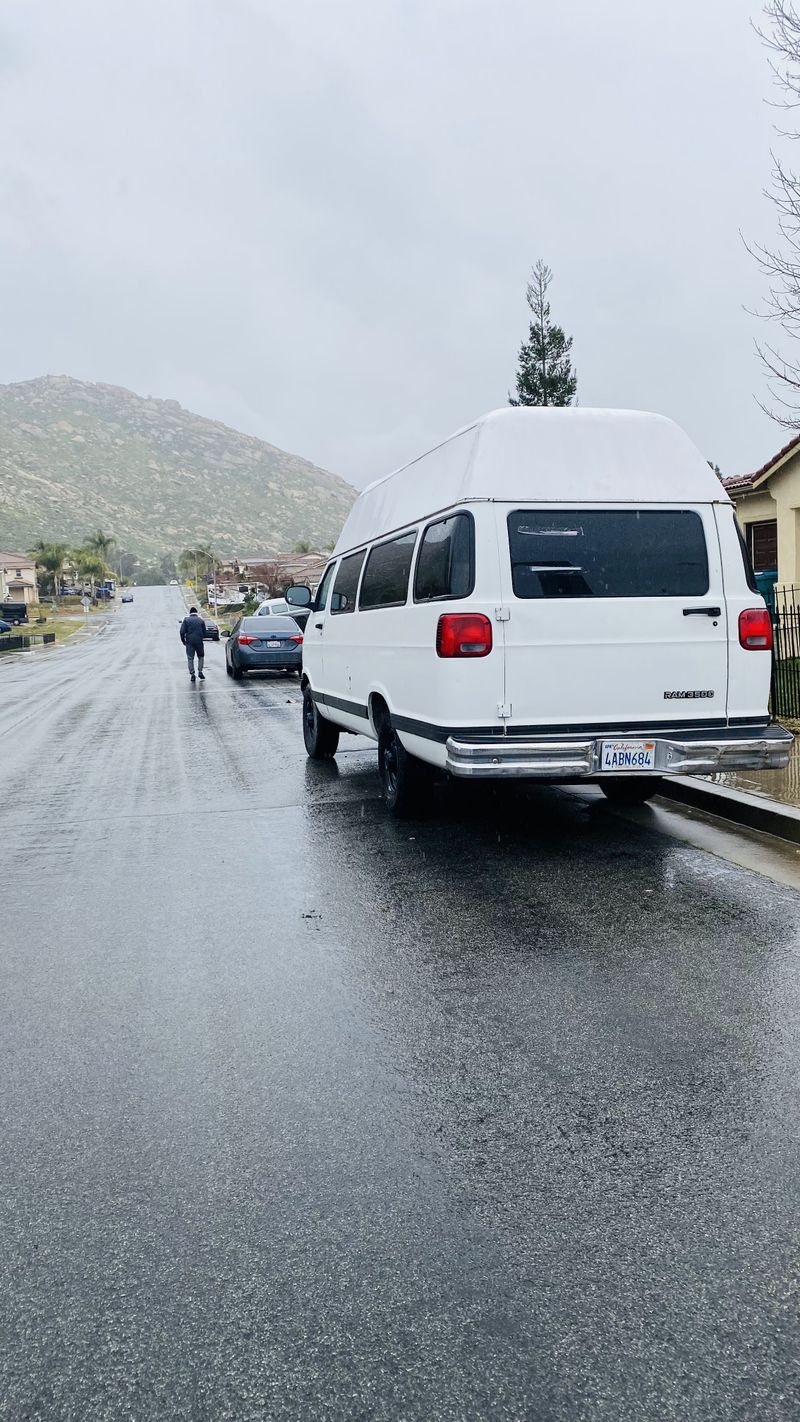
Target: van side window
446,561
746,559
385,581
343,597
321,600
607,553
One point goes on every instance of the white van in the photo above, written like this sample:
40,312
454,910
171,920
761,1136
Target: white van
551,593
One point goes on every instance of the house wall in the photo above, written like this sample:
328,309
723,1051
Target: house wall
784,487
18,589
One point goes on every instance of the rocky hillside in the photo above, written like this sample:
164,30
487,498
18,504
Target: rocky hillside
75,457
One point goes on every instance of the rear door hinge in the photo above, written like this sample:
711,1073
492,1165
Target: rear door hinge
502,614
504,709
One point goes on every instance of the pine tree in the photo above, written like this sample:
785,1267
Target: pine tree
545,375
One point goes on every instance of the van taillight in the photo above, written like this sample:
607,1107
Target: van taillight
463,634
755,629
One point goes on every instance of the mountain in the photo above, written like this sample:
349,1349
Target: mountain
75,457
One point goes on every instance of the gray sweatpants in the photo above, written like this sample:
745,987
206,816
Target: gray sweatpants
190,654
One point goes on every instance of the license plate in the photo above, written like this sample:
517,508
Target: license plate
274,645
628,755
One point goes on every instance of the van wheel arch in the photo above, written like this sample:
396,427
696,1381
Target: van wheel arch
379,713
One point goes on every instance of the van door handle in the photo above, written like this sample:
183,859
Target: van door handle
702,612
319,625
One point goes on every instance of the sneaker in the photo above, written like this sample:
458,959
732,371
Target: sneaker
202,676
191,676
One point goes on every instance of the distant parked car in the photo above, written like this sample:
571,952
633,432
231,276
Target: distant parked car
70,592
279,607
273,607
211,629
5,626
127,597
264,644
173,582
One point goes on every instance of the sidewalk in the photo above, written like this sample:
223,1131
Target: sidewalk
780,785
768,801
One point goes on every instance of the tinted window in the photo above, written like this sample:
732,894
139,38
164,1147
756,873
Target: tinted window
748,566
385,582
343,597
321,600
446,562
265,624
605,553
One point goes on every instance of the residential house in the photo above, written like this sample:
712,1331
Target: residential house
17,578
278,569
768,510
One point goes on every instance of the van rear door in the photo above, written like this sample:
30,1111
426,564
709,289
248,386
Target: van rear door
617,616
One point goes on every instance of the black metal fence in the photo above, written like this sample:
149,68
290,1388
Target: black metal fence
22,641
786,660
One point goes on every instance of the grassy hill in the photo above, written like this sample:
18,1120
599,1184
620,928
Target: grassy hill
75,457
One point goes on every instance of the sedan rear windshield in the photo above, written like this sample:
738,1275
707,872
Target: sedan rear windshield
607,553
268,624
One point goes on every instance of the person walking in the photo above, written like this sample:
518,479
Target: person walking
192,631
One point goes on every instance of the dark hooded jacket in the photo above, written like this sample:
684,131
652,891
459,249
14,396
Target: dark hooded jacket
192,629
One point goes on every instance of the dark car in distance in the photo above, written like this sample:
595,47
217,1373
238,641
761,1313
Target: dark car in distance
127,597
264,644
211,629
5,626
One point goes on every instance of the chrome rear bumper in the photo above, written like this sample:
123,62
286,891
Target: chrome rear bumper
579,758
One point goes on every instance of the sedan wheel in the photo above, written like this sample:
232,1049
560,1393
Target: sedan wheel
236,672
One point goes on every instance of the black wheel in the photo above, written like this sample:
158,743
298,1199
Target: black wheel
228,667
633,791
403,776
236,671
321,736
215,638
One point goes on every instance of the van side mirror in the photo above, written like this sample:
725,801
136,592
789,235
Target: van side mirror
298,595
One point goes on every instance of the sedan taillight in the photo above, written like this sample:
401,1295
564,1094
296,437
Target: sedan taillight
298,640
755,629
244,641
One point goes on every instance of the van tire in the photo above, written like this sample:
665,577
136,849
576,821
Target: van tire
403,776
321,737
633,791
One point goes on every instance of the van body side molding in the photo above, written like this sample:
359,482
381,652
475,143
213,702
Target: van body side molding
338,703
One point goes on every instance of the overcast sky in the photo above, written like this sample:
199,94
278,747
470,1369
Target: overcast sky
314,219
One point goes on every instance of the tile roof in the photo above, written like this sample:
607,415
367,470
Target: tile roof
743,481
738,481
20,560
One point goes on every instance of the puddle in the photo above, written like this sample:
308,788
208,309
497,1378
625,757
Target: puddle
781,785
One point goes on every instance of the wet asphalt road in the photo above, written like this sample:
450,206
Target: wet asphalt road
308,1114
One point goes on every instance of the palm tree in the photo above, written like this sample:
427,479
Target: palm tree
101,543
89,566
50,557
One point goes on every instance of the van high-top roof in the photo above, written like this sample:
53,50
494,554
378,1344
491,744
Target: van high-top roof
523,455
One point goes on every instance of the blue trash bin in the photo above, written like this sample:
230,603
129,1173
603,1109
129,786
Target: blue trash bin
765,582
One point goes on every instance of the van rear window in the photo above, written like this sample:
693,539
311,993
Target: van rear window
607,553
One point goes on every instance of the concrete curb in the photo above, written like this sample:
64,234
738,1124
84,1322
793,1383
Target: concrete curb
754,811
